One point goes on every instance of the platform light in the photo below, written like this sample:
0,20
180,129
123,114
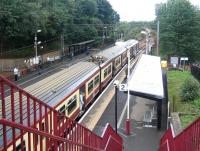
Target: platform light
116,84
147,33
39,30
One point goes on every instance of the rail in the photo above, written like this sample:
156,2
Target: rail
61,143
187,140
45,120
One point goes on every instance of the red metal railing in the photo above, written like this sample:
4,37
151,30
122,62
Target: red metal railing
21,108
61,143
187,140
110,140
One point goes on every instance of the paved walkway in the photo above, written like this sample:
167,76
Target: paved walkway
143,138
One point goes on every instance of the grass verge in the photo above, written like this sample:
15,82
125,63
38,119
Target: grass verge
191,110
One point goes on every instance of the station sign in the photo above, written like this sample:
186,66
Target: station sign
174,60
184,58
123,87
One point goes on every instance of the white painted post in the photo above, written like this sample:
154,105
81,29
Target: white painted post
128,75
128,123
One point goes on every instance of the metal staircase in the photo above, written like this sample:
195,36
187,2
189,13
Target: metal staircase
27,123
187,140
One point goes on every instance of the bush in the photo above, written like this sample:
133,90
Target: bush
190,90
197,103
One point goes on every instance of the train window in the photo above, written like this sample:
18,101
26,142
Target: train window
96,80
90,87
71,105
124,56
62,110
117,62
109,69
105,73
18,148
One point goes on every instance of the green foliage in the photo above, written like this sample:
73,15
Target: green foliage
187,119
176,80
197,103
78,20
132,30
190,90
179,28
105,12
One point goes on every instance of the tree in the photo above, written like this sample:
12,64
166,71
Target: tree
105,12
78,20
132,30
179,30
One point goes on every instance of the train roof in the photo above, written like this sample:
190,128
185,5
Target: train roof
131,42
116,50
56,87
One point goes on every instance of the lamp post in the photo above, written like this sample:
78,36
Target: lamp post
158,32
36,43
128,123
116,84
105,31
147,41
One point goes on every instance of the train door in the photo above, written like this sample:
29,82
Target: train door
113,68
82,99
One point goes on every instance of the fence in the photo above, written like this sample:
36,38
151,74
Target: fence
195,70
187,140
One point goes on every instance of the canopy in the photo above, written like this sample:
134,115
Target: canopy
146,79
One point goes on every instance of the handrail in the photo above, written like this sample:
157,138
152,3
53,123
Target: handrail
34,114
11,84
43,134
188,128
187,140
41,119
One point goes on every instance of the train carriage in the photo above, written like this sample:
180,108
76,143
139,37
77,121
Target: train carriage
112,56
133,45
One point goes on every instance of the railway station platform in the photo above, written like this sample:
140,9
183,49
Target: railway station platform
143,137
49,69
143,116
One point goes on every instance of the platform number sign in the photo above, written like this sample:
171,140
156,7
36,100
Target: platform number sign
122,87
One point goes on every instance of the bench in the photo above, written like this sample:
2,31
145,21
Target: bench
148,117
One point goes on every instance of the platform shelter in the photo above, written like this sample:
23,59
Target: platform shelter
148,80
79,48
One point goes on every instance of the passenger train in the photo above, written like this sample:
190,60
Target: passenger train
71,90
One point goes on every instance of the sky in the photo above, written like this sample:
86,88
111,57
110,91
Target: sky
138,10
